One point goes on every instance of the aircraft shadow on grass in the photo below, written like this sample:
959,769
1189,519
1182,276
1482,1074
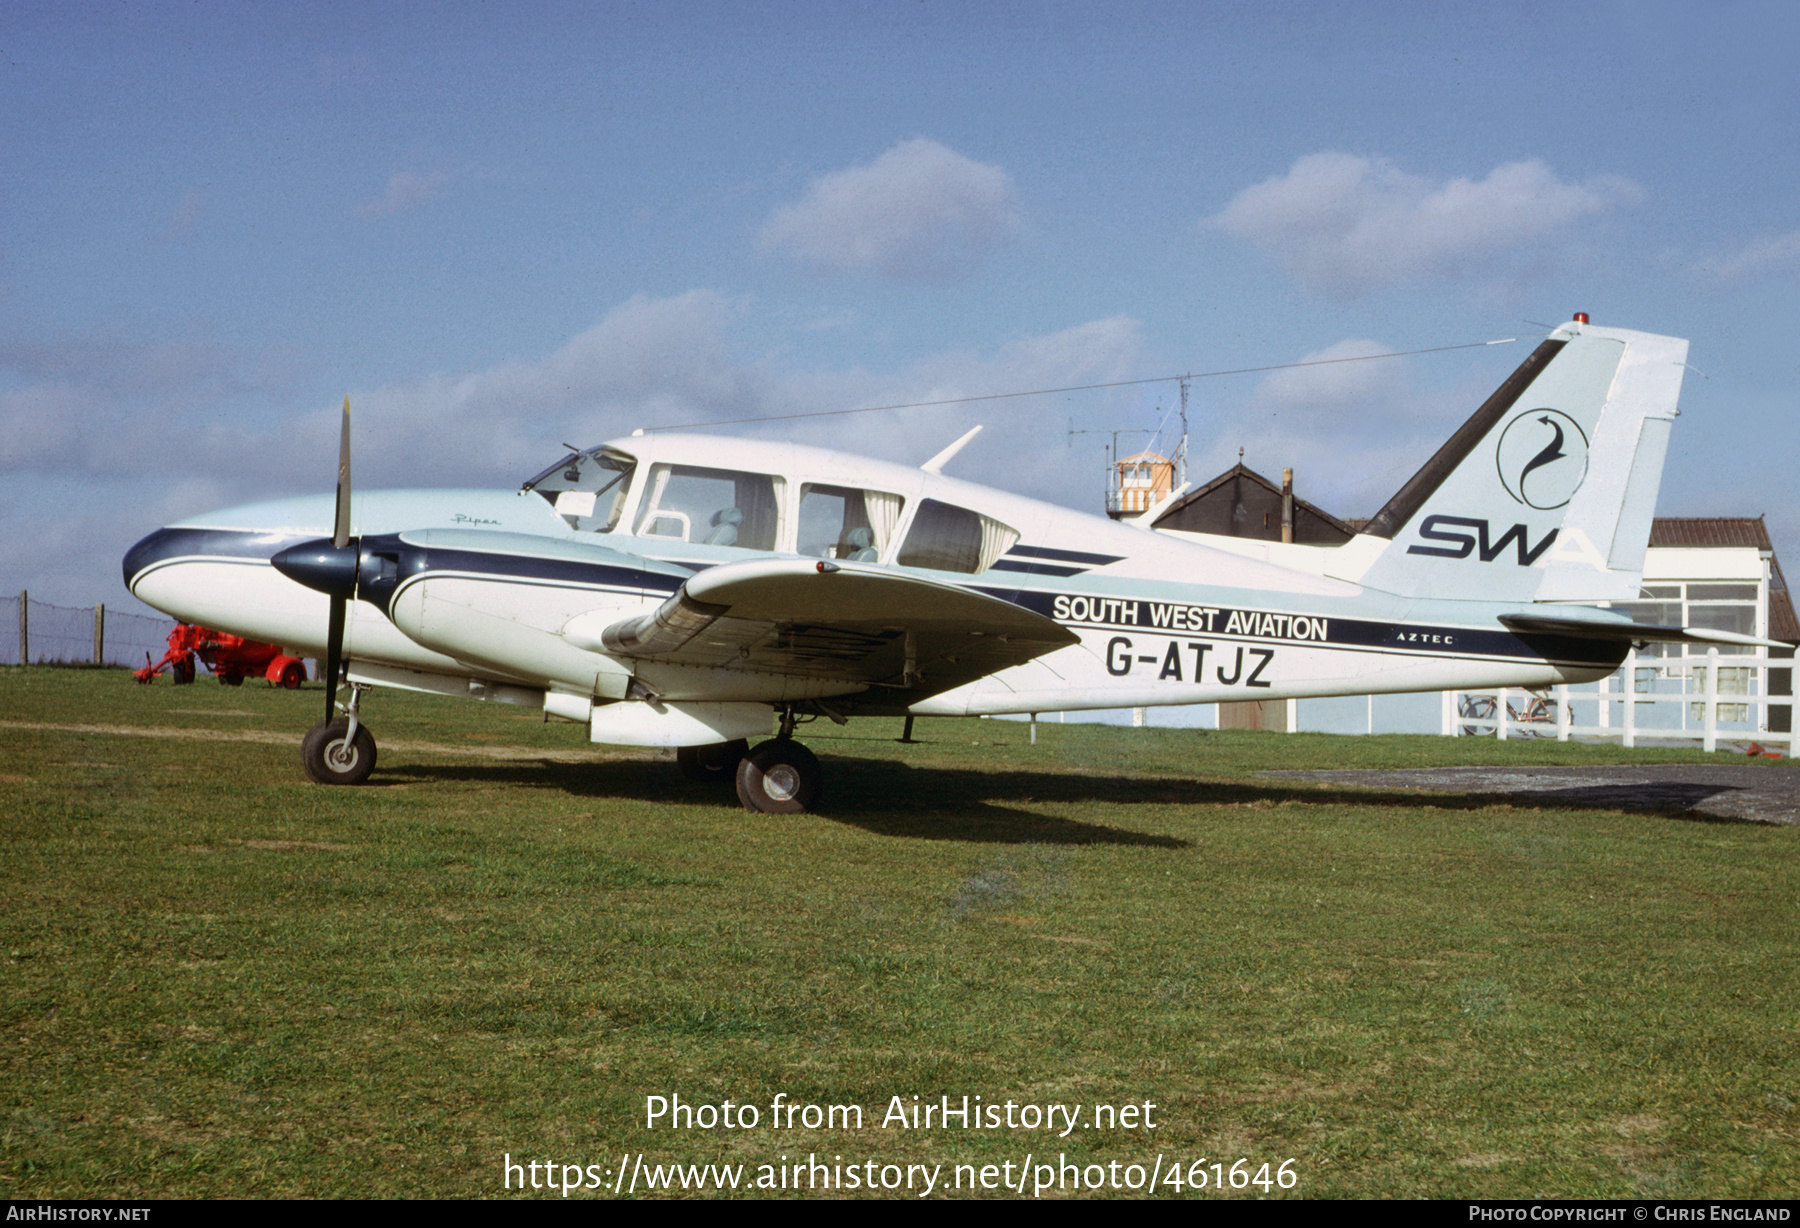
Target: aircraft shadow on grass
895,799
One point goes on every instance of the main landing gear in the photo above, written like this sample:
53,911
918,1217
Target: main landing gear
340,752
780,776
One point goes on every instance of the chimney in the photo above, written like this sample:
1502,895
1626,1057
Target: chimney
1287,505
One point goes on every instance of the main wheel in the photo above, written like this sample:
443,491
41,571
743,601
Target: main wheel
331,760
715,763
779,777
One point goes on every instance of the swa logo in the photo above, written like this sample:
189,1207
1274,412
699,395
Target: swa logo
1543,458
1460,542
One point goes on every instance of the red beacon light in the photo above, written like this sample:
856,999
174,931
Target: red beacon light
1581,317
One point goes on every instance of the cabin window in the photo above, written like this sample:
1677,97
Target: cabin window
948,538
838,522
713,507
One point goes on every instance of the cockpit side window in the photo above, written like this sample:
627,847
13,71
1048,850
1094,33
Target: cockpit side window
944,537
839,522
715,507
588,489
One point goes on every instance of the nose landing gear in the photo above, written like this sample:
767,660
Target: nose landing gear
340,752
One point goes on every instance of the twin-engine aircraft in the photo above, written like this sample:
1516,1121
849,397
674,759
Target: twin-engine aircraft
687,591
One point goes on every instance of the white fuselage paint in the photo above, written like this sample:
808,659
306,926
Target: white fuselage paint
1169,620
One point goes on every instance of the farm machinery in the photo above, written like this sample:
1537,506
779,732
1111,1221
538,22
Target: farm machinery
231,658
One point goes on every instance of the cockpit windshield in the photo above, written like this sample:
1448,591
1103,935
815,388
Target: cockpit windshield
588,489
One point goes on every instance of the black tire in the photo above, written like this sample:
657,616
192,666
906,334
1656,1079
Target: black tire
181,672
714,764
293,676
329,762
231,680
779,777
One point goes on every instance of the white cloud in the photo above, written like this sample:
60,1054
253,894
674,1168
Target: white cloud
1024,447
1765,256
920,211
1353,432
671,362
1349,225
405,191
201,436
647,362
1330,381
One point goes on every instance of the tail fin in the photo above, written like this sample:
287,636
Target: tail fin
1547,492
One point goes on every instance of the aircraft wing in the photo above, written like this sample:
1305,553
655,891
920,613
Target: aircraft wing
817,619
1604,628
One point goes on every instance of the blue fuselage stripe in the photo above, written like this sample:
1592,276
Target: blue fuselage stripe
1093,612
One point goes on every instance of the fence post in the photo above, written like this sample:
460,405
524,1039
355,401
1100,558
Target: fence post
1711,740
100,634
1631,697
1560,697
1500,714
1759,682
24,628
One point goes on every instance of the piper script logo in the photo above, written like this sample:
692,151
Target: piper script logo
1543,458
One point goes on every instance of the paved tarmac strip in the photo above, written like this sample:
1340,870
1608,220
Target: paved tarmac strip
1742,791
520,753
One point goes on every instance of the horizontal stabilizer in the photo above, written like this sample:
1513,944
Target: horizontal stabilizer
1619,630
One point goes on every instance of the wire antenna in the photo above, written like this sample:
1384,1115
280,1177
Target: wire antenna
1041,392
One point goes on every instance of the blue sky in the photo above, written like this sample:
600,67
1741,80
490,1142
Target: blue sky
499,227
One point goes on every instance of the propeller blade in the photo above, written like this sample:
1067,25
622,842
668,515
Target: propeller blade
340,532
334,656
340,537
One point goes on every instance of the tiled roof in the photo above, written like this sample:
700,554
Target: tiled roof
1241,470
1782,623
1710,531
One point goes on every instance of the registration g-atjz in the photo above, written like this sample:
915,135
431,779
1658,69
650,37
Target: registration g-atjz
1186,661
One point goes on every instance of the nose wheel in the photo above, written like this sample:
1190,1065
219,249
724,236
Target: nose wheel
334,755
779,777
341,751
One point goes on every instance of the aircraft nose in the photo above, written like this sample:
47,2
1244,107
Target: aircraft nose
147,553
320,565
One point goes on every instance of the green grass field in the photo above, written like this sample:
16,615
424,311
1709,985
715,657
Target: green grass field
222,981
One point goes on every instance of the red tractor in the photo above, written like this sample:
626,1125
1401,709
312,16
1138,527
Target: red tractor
231,658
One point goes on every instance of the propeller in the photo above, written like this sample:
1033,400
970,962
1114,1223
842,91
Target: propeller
340,538
329,566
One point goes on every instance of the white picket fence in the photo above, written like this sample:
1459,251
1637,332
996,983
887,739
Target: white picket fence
1684,699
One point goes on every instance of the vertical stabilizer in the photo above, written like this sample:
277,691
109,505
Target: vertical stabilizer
1547,492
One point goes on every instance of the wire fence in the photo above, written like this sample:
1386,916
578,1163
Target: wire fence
70,635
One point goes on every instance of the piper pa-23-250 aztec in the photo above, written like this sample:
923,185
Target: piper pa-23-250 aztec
686,591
